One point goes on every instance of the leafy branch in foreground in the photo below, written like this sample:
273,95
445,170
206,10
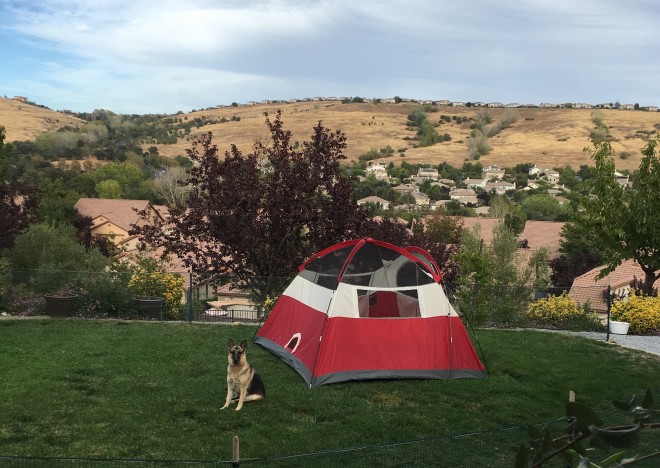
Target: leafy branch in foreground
586,439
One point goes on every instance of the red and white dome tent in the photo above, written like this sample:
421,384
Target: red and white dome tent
366,309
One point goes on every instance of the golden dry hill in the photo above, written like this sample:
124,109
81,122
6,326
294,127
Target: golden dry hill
24,122
546,137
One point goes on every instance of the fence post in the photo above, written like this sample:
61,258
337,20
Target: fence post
235,452
190,297
609,307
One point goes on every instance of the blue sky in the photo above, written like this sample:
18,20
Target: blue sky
162,56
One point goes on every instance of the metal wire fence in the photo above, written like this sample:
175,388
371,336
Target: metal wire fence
109,294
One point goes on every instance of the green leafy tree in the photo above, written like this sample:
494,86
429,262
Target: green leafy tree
52,257
128,176
511,213
542,207
623,222
494,285
109,188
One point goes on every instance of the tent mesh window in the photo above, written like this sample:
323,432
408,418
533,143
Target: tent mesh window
388,304
325,270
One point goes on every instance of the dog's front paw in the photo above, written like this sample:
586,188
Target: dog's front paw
225,407
238,408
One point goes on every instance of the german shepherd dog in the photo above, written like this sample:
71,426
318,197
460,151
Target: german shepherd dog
242,380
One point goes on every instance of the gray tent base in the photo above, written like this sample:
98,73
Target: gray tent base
306,374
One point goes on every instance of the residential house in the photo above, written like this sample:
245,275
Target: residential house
384,204
428,173
495,104
534,170
652,108
228,297
405,188
114,218
475,183
493,172
551,176
466,197
500,187
421,199
378,170
589,289
622,179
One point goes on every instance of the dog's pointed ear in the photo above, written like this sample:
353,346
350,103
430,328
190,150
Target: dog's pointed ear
244,344
230,345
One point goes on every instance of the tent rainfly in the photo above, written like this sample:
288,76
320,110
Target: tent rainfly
367,309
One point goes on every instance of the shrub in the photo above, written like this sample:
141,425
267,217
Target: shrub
151,279
563,312
642,312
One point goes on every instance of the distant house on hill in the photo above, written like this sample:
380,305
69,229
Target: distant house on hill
428,173
500,187
384,204
493,172
464,196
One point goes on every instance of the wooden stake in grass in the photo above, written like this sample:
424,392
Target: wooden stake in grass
235,452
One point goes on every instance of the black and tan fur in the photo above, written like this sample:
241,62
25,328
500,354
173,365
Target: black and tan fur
242,380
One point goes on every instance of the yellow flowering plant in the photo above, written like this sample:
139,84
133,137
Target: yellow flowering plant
150,278
563,311
642,312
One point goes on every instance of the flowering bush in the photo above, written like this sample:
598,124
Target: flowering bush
562,311
642,312
269,303
151,279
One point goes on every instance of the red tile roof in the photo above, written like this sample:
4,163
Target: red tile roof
586,288
537,233
543,234
120,212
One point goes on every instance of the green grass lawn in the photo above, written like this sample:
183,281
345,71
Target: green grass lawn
119,389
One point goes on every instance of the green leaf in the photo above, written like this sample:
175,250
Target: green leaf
619,438
521,456
617,457
533,433
624,405
544,445
648,399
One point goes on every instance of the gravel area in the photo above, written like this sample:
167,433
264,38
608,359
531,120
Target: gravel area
650,344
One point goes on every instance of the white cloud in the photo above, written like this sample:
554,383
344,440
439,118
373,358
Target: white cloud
169,55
